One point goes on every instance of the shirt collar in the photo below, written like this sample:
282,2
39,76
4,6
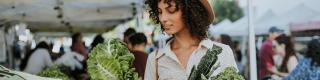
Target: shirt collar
205,43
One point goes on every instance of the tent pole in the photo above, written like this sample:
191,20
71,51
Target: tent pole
253,61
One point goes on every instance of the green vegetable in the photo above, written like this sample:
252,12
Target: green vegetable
54,72
207,61
205,68
6,74
111,60
228,74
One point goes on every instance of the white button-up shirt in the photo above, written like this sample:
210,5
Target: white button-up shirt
169,67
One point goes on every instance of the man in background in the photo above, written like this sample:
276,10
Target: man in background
266,55
127,34
138,42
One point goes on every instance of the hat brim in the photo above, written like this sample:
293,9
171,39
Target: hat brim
209,10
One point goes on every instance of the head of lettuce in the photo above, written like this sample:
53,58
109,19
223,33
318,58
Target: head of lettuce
111,60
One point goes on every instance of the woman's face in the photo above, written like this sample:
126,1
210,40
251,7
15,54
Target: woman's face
170,18
79,39
280,49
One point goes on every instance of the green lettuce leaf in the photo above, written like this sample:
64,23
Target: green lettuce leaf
54,72
111,60
229,73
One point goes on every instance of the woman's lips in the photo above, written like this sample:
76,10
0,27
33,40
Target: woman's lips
166,27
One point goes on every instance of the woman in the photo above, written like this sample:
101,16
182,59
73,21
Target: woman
79,47
138,41
185,53
308,68
290,60
38,59
225,39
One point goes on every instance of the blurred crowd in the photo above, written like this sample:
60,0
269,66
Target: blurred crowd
277,58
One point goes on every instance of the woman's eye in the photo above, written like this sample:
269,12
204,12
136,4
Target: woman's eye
159,11
171,9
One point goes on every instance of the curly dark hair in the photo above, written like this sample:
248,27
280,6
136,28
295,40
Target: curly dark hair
313,52
194,15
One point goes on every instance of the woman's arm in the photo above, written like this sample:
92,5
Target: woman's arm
274,70
292,63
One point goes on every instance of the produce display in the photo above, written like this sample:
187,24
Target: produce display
54,72
7,74
111,60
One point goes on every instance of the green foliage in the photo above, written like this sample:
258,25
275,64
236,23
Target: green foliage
203,70
226,9
206,67
228,74
111,60
53,72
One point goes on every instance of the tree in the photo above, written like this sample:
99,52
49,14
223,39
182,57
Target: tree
226,9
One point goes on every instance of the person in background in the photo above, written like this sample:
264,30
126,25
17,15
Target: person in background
37,60
127,34
138,42
309,67
79,47
51,46
289,59
237,51
61,50
17,51
238,57
225,39
98,39
266,66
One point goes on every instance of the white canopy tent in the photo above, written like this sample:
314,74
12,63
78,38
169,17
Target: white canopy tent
317,18
240,27
69,15
236,28
219,28
299,13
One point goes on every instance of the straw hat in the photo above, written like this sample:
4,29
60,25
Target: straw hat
209,10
